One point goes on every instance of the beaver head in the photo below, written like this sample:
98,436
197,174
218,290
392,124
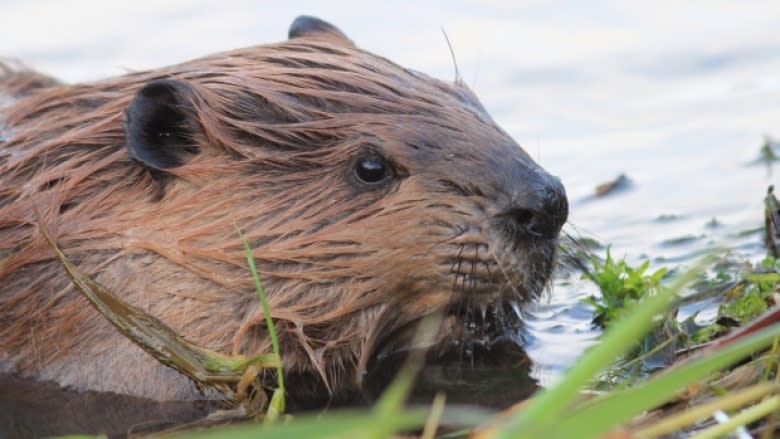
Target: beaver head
372,195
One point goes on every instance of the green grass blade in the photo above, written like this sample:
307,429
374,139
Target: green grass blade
394,397
278,400
603,414
351,424
276,406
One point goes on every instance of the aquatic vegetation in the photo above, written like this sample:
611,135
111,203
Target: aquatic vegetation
621,287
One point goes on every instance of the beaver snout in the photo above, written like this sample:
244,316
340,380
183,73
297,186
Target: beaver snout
540,211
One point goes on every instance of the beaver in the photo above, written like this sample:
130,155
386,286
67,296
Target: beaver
372,196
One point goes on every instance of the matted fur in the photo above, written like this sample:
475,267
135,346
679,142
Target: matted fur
345,267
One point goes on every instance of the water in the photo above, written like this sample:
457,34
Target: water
676,96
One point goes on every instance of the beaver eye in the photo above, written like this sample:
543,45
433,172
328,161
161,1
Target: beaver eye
372,169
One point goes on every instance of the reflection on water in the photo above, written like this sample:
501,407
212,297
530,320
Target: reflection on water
30,410
493,377
676,96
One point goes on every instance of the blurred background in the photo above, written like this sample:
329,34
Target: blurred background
678,96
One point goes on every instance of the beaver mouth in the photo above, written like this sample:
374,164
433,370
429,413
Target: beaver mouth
490,282
485,305
482,324
463,328
492,279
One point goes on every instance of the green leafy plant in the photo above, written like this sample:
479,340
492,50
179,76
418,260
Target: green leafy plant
621,286
754,294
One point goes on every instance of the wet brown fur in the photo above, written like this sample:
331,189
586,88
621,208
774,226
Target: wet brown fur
343,266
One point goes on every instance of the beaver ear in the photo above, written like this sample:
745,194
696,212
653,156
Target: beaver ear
308,26
160,125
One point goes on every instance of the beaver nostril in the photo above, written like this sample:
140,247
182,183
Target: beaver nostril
529,222
548,213
522,217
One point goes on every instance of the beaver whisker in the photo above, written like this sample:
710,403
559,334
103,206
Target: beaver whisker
473,282
504,272
456,271
471,298
462,331
463,295
452,54
487,267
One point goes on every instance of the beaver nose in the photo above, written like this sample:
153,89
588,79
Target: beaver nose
541,211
